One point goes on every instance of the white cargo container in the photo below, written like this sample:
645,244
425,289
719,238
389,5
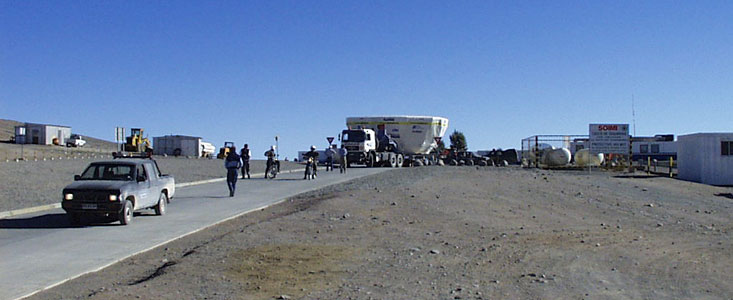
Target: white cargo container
42,134
178,145
706,158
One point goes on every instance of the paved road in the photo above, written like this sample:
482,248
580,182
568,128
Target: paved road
42,250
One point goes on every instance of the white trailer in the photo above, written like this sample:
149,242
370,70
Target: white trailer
178,145
706,158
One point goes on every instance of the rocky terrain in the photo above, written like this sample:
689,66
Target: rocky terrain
450,233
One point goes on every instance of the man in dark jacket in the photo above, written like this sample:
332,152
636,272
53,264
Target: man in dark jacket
232,163
271,155
245,155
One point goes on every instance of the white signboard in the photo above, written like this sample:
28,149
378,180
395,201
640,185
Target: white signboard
609,138
120,134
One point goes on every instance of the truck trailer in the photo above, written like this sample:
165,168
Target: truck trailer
392,141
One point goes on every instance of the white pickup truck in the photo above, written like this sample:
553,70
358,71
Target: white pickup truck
75,141
117,188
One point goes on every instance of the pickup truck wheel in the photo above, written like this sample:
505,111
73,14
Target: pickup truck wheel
126,213
162,202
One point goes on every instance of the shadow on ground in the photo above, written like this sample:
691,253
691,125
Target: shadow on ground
57,220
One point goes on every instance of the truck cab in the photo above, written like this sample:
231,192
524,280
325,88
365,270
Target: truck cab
359,140
366,147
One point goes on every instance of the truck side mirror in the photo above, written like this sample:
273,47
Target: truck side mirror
77,177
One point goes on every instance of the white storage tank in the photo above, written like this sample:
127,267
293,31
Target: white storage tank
556,157
584,158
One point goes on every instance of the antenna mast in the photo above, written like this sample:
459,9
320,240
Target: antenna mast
633,114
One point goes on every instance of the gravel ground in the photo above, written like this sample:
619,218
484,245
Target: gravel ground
450,233
32,183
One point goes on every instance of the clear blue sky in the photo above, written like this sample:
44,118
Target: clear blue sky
247,71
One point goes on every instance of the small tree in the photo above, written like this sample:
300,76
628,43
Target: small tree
441,147
458,141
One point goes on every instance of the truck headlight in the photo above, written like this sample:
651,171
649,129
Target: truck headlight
68,196
112,197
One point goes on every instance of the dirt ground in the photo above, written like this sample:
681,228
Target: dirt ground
450,233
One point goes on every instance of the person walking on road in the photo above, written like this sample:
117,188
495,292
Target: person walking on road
330,153
343,163
245,155
232,163
270,154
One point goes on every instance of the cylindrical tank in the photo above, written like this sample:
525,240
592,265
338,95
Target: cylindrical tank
556,157
584,158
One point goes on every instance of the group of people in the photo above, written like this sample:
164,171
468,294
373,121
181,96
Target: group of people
234,162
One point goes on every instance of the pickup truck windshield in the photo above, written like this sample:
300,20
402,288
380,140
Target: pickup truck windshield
108,172
353,136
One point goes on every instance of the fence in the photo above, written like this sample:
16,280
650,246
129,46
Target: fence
658,167
534,147
49,154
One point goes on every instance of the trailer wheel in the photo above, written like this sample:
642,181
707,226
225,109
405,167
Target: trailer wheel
400,160
469,162
393,161
370,160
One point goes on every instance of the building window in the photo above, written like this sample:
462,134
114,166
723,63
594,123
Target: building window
643,148
655,148
726,148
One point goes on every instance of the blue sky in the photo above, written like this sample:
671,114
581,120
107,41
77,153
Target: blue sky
247,71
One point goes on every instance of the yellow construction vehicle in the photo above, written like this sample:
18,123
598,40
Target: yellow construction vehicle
137,143
224,151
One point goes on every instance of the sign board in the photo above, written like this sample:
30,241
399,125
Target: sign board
330,140
609,138
120,134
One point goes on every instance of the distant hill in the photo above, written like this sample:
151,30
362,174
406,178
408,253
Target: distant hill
7,129
7,132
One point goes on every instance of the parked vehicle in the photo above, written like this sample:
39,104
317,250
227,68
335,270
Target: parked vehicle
392,141
117,188
75,141
467,158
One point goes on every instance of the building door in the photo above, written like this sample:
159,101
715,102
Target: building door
34,136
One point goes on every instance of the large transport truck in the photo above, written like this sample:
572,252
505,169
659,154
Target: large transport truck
392,141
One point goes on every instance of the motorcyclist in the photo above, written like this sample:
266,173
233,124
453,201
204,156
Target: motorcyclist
313,154
270,154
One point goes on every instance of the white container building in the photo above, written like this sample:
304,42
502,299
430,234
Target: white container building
706,158
42,134
178,145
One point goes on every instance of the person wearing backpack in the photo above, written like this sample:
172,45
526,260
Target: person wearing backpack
245,154
232,163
